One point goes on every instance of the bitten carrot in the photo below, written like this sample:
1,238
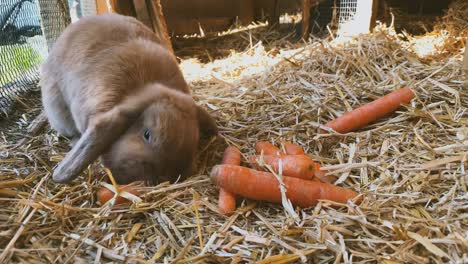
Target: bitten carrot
226,199
372,111
105,194
292,149
297,166
263,186
303,166
267,148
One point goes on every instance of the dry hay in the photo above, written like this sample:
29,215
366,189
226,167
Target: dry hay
450,34
411,168
237,39
455,21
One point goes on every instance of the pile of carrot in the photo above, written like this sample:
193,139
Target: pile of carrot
295,162
305,182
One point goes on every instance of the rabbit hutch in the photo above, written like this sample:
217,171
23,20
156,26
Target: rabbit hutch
371,95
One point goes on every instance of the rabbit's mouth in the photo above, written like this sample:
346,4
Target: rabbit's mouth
125,172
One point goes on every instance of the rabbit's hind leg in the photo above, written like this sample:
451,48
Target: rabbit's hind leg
57,112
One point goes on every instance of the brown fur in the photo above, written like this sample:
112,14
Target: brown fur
108,80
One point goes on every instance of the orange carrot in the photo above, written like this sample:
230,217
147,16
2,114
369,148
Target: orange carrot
297,166
226,199
372,111
232,156
267,148
263,186
105,194
291,148
321,174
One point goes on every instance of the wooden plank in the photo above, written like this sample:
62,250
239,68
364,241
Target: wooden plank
264,8
191,26
200,8
246,12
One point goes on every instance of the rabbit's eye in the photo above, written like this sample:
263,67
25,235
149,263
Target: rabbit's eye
147,135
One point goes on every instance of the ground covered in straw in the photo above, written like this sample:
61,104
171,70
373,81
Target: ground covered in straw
410,167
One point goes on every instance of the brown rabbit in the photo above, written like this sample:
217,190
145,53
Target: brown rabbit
117,91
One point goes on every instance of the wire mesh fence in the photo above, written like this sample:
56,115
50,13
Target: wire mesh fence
332,14
27,30
346,10
22,48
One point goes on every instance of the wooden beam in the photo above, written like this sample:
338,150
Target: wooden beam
306,4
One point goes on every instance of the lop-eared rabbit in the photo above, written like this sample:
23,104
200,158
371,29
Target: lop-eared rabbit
115,89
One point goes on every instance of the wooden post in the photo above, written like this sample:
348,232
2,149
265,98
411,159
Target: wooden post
306,4
375,10
103,7
159,22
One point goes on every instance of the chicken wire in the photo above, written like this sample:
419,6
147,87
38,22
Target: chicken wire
346,10
27,30
331,13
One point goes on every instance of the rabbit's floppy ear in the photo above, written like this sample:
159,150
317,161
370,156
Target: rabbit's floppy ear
102,132
206,122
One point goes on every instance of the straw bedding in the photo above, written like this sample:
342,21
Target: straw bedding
410,167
